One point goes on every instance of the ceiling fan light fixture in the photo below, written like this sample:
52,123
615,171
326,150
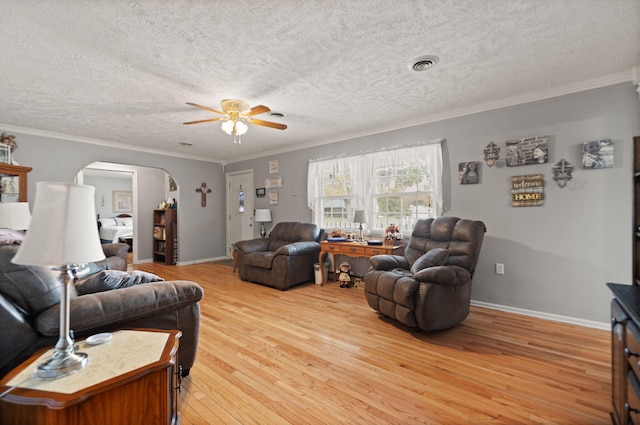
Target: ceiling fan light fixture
234,126
227,126
423,63
236,117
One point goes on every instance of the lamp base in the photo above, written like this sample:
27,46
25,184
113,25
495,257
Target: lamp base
263,231
61,364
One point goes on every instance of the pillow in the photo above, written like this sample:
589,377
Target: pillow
108,221
125,221
11,237
108,280
433,257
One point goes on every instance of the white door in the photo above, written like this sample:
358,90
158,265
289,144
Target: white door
239,208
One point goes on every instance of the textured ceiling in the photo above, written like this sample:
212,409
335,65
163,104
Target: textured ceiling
119,72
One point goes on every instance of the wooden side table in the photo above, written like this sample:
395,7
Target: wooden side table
354,250
129,380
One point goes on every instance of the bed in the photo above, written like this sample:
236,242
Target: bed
116,229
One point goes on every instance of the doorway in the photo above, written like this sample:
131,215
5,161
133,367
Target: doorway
239,208
148,187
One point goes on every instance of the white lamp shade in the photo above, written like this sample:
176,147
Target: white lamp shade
63,228
263,215
14,215
360,216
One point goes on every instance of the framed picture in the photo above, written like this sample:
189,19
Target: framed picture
273,182
122,201
597,154
273,198
529,151
273,167
468,172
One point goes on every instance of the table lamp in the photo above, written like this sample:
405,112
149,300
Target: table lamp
360,217
62,233
263,216
15,215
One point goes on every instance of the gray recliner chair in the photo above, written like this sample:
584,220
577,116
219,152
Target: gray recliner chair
428,288
282,260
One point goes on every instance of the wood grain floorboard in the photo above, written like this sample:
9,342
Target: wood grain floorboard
317,354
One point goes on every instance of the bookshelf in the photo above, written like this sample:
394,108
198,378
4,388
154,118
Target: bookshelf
165,236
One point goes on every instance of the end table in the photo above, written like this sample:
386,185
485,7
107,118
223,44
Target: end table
130,379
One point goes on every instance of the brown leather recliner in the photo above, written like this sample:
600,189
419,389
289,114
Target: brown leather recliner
282,260
30,309
428,288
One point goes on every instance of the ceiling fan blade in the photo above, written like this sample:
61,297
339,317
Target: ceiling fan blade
197,122
268,124
260,109
205,108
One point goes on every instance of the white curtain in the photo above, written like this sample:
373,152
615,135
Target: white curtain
361,168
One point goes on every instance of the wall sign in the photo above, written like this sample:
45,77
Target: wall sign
273,182
527,191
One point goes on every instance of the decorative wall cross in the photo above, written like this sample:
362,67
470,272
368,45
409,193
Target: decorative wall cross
203,192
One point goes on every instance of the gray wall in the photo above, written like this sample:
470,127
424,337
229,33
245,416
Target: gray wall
200,229
557,257
104,190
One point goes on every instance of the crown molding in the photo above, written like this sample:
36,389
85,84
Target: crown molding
70,137
576,87
631,75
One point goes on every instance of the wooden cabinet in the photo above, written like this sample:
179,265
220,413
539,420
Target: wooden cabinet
625,354
165,236
16,183
130,380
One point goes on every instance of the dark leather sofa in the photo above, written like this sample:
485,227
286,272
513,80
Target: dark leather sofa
282,260
30,315
428,288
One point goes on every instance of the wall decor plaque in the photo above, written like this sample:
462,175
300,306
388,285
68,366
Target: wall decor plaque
527,191
273,182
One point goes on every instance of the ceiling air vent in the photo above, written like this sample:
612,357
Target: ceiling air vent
423,63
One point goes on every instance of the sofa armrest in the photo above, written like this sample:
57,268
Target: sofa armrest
389,262
253,245
444,275
299,248
112,308
115,250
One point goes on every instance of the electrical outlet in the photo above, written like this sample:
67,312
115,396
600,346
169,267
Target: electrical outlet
499,268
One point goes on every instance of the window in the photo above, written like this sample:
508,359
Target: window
396,186
402,194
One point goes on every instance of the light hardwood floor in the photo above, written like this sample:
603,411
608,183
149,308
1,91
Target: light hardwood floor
319,355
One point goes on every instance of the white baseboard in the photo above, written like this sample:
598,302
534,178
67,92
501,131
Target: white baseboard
541,315
203,260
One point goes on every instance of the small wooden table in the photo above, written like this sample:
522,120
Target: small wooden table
354,250
129,380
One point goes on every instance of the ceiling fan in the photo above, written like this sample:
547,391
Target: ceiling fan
236,114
